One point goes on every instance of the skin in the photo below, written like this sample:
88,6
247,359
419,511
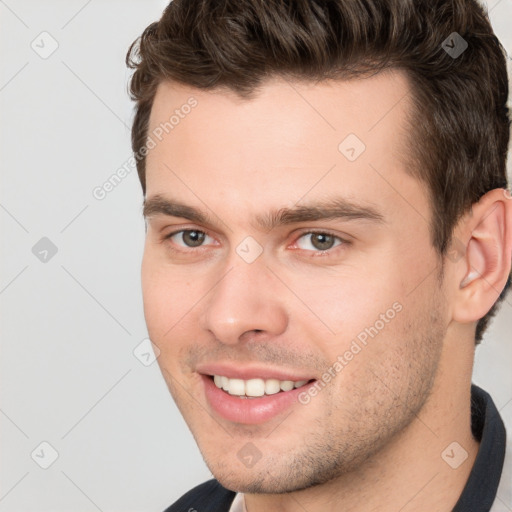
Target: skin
372,438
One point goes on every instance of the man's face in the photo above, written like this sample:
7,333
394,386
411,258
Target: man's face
300,256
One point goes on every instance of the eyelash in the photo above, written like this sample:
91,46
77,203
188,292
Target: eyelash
314,253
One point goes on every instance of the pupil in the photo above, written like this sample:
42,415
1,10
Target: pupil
193,238
322,241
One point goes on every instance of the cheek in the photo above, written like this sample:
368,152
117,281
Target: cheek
153,294
160,292
349,304
164,290
171,305
368,316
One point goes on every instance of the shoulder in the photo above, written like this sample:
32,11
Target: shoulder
210,496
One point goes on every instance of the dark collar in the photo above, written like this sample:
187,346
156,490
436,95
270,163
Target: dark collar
487,426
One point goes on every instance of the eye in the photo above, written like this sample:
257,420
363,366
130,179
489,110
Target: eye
318,241
189,238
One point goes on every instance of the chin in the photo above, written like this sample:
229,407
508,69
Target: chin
262,483
252,484
265,477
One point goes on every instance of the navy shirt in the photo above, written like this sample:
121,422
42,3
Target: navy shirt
478,495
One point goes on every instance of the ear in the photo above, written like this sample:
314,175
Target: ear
484,238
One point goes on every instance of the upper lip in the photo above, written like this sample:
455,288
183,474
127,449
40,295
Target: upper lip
246,372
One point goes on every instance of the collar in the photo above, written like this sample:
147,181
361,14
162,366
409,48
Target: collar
480,491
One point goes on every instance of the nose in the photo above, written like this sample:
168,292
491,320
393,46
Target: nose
245,301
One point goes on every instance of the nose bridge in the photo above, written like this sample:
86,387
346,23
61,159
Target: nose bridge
243,300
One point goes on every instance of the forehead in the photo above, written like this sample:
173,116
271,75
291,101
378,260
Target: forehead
291,140
360,106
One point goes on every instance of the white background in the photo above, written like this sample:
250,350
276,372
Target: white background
69,326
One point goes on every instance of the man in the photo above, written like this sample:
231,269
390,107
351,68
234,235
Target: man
328,235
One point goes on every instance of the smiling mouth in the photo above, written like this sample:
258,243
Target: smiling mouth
255,388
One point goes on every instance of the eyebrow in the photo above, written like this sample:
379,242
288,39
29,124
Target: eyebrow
329,209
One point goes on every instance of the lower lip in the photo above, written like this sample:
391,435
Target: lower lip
249,411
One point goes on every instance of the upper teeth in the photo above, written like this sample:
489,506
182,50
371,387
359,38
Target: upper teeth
255,387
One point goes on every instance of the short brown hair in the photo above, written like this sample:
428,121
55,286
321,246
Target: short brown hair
461,120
